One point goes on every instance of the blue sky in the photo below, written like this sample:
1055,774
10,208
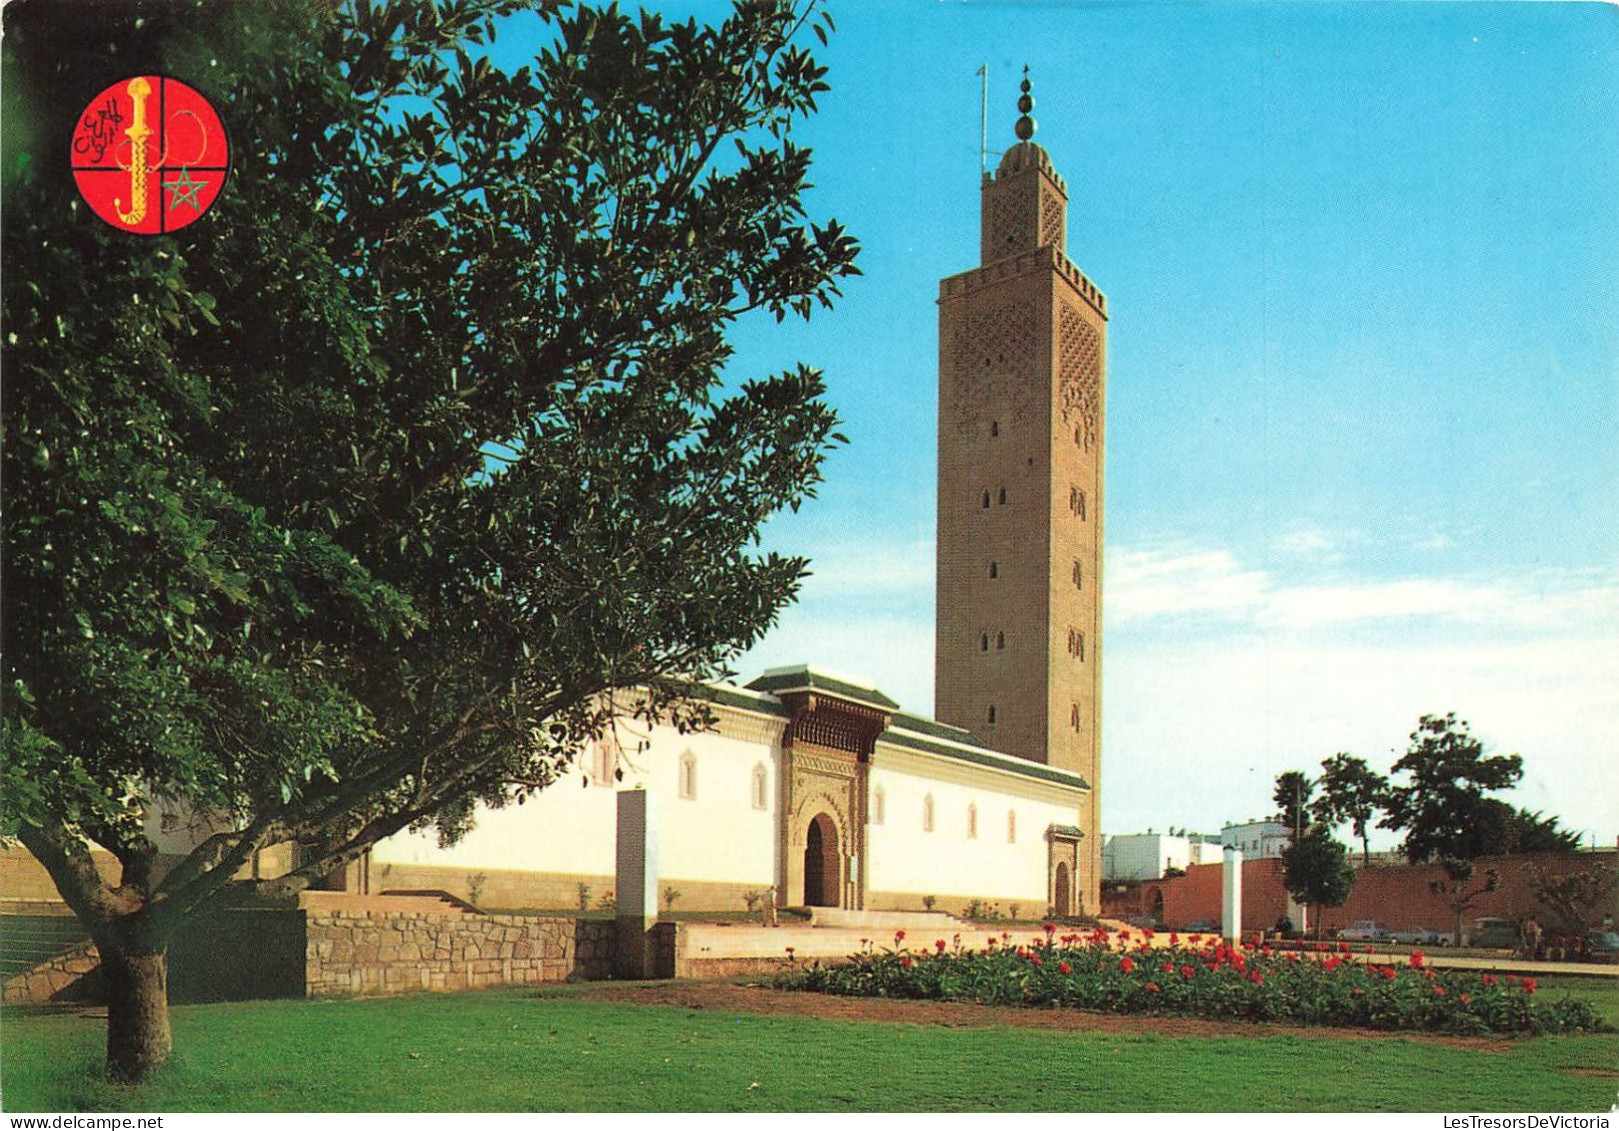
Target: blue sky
1363,267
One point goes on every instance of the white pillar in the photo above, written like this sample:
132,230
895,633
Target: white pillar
637,856
1231,895
637,877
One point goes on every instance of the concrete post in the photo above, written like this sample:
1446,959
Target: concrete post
637,878
1231,895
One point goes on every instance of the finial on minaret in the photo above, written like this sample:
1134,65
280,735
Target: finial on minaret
1025,125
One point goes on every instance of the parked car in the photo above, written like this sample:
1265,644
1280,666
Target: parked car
1494,933
1366,930
1602,946
1201,926
1422,936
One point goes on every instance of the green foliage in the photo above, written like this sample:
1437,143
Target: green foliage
1442,808
1578,898
356,500
1316,869
1292,797
1351,793
1112,974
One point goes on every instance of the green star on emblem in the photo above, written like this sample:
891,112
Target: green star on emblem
183,190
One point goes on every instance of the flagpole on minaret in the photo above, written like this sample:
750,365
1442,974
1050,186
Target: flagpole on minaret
983,120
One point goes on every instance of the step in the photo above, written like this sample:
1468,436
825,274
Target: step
923,921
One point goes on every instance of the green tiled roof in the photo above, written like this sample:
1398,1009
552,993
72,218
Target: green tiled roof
731,697
1065,830
936,729
806,678
983,756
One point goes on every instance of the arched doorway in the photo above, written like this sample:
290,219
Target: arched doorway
1155,906
1063,902
821,863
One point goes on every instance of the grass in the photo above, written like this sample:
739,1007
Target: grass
515,1050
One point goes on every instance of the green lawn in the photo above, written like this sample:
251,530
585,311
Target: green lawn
514,1050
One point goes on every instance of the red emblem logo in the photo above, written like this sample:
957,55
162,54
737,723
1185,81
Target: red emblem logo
150,155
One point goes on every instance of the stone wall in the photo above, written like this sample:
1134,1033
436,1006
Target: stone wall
381,953
73,976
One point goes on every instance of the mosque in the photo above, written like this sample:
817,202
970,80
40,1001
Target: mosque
819,786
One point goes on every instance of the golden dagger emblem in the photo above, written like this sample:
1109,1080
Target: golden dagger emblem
139,90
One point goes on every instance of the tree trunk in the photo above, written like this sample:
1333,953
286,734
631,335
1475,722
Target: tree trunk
138,1037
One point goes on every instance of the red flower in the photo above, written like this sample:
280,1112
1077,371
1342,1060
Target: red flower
1152,987
905,961
1148,932
1168,968
1343,948
1064,968
1417,959
1528,985
1187,971
899,935
1257,978
1035,958
1465,1000
789,952
1487,979
1126,965
1439,991
1050,928
939,945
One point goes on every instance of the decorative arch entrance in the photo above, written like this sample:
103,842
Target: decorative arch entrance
822,879
1064,885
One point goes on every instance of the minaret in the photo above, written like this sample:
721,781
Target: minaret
1022,358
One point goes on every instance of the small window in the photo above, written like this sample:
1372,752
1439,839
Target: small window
1000,641
688,776
994,427
972,822
927,813
990,716
994,570
1011,826
761,787
879,806
1079,646
1079,577
1003,496
983,642
986,500
1073,716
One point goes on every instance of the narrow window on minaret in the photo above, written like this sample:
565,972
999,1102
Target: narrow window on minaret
1000,641
994,570
1003,496
1073,716
1078,576
1082,504
986,500
994,427
1081,652
990,717
983,643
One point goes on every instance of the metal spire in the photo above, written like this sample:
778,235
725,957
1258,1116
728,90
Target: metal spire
1025,103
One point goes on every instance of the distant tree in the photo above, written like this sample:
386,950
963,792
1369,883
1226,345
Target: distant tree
1292,797
1351,793
1316,869
351,505
1442,808
1456,893
1508,831
1576,896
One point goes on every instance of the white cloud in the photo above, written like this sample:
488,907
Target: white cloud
1181,581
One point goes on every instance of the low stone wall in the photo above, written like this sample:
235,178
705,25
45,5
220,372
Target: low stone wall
73,976
381,953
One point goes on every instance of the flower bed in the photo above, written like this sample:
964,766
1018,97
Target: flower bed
1203,976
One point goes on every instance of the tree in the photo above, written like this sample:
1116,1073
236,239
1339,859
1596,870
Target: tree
354,503
1442,808
1316,869
1292,797
1574,897
1351,792
1504,830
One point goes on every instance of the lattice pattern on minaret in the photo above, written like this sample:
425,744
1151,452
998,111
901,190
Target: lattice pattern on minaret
1053,221
1011,223
989,357
1079,353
